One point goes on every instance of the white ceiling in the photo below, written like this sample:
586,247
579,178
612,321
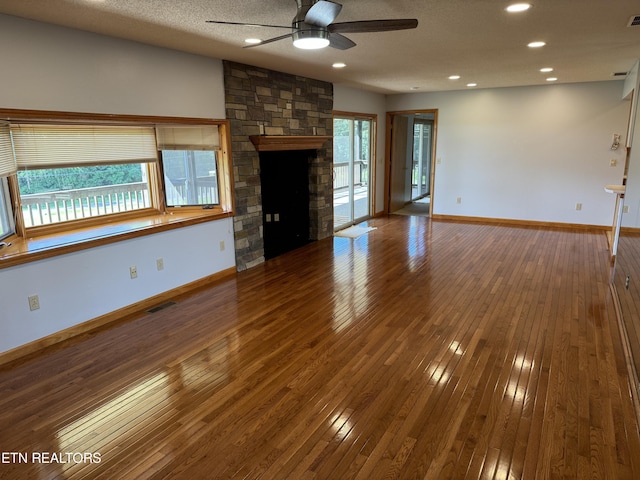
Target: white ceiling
587,40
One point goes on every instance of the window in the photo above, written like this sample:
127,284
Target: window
73,172
6,219
189,164
60,173
190,177
55,195
7,167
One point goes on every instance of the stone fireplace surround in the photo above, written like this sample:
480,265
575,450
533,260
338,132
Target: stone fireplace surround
265,102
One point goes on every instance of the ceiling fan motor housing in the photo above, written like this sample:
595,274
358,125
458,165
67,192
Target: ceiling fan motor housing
305,35
315,37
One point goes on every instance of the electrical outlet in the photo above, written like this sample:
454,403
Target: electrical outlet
160,264
221,245
625,209
578,206
34,302
133,271
613,162
438,161
459,200
276,217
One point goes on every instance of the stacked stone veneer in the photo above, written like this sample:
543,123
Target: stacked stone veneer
260,101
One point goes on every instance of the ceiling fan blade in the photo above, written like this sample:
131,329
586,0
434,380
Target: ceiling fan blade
340,41
322,13
367,26
247,24
270,40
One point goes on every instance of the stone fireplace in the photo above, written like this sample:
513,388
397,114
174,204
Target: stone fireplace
272,111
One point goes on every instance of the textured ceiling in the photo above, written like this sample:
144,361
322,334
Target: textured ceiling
587,40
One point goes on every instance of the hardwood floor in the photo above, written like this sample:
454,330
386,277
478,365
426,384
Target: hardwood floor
425,349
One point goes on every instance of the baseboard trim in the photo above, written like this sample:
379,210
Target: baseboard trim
520,223
38,346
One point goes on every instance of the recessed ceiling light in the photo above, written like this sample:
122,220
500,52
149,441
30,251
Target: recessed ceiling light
454,77
546,69
339,65
536,44
252,41
472,84
518,7
552,79
414,88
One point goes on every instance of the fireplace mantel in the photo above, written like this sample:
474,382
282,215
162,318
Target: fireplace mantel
274,143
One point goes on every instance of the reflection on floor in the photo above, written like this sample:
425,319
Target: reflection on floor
419,207
627,283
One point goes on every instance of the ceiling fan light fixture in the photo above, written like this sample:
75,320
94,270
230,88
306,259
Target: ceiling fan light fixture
311,39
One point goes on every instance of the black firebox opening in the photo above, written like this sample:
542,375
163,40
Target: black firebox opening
284,178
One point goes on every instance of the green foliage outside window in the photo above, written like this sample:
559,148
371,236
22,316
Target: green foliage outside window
60,179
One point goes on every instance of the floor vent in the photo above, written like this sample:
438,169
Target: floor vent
160,307
634,21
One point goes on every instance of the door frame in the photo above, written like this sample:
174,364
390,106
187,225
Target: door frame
387,154
373,118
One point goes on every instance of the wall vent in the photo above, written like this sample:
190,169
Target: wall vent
634,21
160,307
619,74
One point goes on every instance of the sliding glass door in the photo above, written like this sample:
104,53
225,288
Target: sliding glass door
421,168
353,138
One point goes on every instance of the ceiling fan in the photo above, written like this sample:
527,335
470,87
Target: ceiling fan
313,27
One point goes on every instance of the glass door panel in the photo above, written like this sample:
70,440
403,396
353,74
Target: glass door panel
351,168
421,168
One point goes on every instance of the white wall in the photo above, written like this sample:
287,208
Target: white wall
46,67
348,99
52,68
528,153
83,285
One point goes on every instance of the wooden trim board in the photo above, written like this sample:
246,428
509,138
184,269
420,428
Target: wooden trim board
513,222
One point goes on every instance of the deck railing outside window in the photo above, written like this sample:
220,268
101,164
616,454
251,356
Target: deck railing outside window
341,174
47,208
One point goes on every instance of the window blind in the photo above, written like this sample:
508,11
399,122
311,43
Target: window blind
56,146
205,137
7,159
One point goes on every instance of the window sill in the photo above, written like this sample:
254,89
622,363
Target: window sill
25,250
